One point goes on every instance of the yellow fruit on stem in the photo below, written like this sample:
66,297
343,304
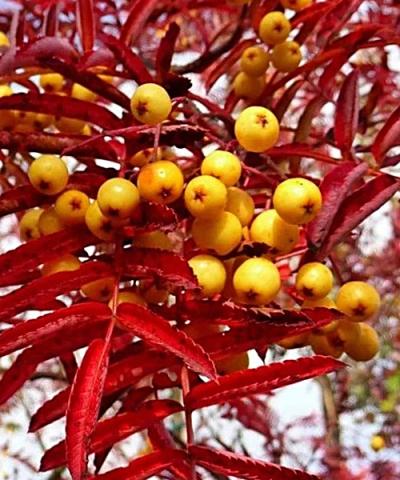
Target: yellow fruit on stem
71,207
274,28
70,125
247,87
151,104
51,82
295,341
269,228
222,165
233,364
143,157
154,294
100,225
297,201
118,198
50,222
256,281
257,129
29,224
296,5
254,61
156,239
377,443
358,300
66,263
160,182
48,174
241,204
99,290
129,296
286,56
325,345
365,346
82,93
210,273
221,234
314,280
205,196
348,332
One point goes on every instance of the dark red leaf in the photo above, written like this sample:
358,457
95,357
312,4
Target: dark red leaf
86,23
140,11
388,137
357,207
335,187
259,380
347,112
299,150
83,406
165,51
158,332
112,430
240,466
286,99
146,466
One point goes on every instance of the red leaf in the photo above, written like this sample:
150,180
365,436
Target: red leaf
50,287
299,150
286,99
32,254
158,332
83,406
169,266
347,112
146,466
335,187
61,106
139,14
240,466
387,137
357,207
112,430
86,23
33,331
166,50
259,380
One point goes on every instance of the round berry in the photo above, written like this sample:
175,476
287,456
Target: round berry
5,91
129,296
99,290
160,182
256,281
348,332
154,295
254,61
48,174
377,443
221,234
297,200
151,104
66,263
71,207
50,222
101,226
118,198
51,82
210,273
222,165
314,280
241,204
274,28
82,93
286,56
247,87
205,196
29,224
156,239
269,228
325,345
143,157
358,300
365,346
257,129
70,125
232,364
296,5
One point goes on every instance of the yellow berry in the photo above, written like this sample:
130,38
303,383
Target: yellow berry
296,5
66,263
160,182
154,294
257,129
52,82
254,61
129,296
101,226
325,302
233,364
274,28
210,273
151,104
222,165
70,125
205,196
240,203
297,200
269,228
324,345
118,198
5,90
295,341
366,346
156,239
221,234
4,41
71,207
82,93
48,174
314,280
143,157
50,222
377,443
286,56
248,87
358,300
99,290
29,224
256,281
348,332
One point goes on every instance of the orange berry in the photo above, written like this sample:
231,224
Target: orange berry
160,182
366,346
295,341
99,290
66,263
